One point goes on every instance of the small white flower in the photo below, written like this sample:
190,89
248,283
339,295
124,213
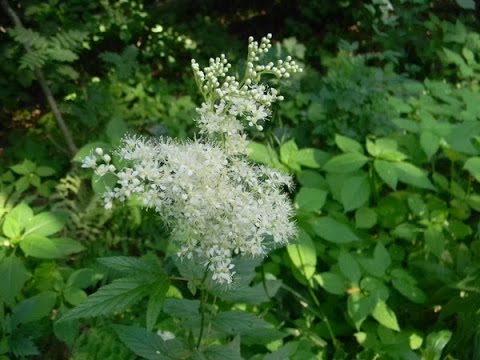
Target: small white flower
89,162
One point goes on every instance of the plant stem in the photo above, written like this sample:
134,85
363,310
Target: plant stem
203,300
43,84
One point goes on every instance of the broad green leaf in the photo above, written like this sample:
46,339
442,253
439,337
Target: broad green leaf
21,346
333,231
16,220
466,4
40,247
45,171
288,151
131,265
22,184
89,149
45,224
252,295
434,240
408,125
472,165
116,130
345,163
349,267
312,158
406,285
385,149
101,184
359,306
385,316
355,192
429,142
231,351
365,218
25,168
46,248
11,228
332,283
381,257
310,199
387,172
182,308
348,145
156,301
238,322
435,344
67,246
117,296
74,296
83,278
149,345
303,255
312,179
14,276
34,308
265,155
412,175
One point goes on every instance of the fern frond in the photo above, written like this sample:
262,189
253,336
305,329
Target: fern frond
29,38
32,60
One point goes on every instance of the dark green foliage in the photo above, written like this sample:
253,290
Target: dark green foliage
381,133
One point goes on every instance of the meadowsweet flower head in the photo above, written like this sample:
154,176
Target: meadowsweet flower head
217,204
231,104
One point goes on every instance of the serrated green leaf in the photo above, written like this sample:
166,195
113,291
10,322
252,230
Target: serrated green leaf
345,163
355,192
385,316
238,322
310,199
117,296
149,345
131,265
303,255
155,302
333,231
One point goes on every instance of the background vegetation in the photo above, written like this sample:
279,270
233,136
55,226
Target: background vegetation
382,134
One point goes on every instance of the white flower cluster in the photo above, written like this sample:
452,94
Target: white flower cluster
217,204
230,102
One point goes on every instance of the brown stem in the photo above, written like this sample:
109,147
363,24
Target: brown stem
43,83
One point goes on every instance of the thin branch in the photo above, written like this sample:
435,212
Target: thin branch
43,83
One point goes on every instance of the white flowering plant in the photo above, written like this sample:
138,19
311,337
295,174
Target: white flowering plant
220,208
217,204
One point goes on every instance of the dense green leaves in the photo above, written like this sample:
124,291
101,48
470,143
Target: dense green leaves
333,231
14,276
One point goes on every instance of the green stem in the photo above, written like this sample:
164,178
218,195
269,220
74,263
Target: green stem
203,300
